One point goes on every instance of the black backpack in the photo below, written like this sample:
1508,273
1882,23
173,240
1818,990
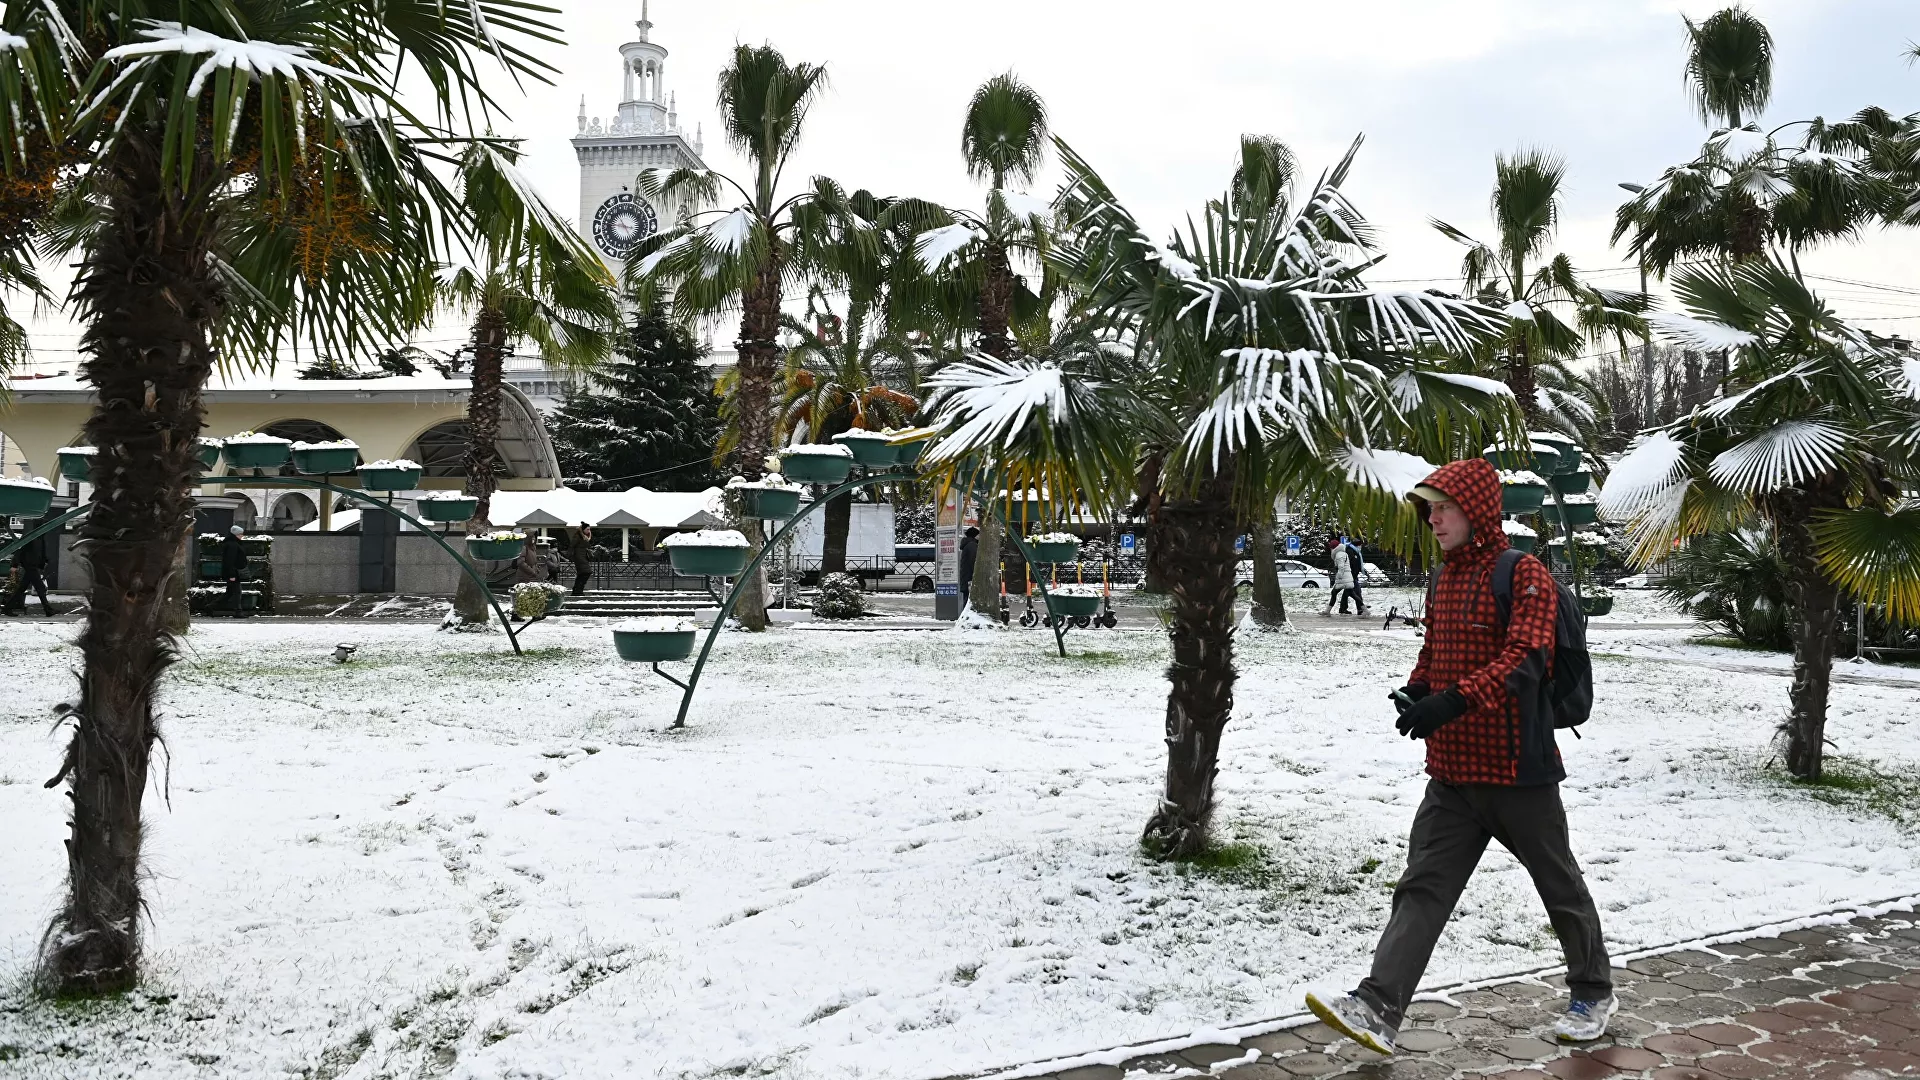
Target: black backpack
1570,694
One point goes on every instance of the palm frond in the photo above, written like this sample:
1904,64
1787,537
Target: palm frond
1875,555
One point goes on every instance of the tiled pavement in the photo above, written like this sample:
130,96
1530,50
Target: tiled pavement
1837,1003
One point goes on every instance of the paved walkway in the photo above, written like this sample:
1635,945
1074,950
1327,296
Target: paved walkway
1837,1003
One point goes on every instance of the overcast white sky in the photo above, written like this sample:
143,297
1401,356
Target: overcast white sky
1155,95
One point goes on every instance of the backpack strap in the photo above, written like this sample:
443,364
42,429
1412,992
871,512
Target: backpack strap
1503,582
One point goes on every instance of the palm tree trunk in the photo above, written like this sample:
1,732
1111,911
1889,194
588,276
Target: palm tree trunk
833,545
753,413
1269,599
983,594
996,303
150,298
1192,541
1816,627
1520,379
483,450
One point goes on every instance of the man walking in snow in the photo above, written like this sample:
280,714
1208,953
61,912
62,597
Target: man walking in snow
1350,550
1478,696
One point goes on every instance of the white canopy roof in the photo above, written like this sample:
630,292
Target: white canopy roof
633,508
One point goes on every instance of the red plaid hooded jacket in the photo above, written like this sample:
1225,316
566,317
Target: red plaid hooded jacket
1506,737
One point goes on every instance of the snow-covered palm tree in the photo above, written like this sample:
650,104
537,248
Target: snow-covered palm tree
1003,140
226,175
1821,440
1242,359
747,256
1539,290
526,276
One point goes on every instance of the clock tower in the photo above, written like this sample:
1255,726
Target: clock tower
644,134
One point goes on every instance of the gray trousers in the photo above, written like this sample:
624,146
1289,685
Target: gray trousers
1450,831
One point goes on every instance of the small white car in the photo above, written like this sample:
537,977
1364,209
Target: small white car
1293,574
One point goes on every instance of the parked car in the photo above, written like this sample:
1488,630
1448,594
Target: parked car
1371,574
1294,574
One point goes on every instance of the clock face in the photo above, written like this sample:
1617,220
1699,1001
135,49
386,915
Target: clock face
621,223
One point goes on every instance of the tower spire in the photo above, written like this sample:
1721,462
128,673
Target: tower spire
645,23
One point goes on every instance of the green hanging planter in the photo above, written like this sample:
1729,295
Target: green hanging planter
807,467
24,498
1052,552
1521,542
1027,511
390,476
870,448
909,453
1595,606
76,462
325,459
769,503
1522,498
1573,514
1073,604
653,646
484,547
1523,461
209,454
1571,483
446,511
718,553
261,453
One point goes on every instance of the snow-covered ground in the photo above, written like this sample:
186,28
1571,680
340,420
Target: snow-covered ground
881,854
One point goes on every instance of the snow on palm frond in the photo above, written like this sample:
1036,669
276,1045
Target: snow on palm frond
667,251
1910,370
935,246
1519,311
1781,456
1741,144
1392,471
1022,205
1567,406
1286,388
1651,469
988,403
729,235
253,57
1171,261
1699,333
1476,383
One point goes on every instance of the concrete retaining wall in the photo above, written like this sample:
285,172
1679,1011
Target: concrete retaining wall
322,564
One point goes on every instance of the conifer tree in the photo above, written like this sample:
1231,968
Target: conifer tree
648,417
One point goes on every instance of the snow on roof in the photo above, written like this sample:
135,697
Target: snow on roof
633,508
282,378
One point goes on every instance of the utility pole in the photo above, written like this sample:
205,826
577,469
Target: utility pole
1646,339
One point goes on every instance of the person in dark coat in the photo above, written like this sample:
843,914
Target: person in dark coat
969,551
580,552
233,567
29,565
1477,697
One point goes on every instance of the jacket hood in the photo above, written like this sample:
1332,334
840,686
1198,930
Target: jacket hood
1475,485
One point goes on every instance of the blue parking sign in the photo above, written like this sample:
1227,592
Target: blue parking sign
1126,543
1293,545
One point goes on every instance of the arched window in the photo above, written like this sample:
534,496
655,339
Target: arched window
293,510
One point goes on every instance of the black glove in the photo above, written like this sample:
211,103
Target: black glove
1404,697
1432,713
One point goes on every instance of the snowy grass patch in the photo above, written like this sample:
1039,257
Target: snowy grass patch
888,854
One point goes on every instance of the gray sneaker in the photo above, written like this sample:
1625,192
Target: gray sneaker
1585,1021
1355,1019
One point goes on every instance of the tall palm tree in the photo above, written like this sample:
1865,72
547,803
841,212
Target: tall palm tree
1534,288
1002,139
747,256
1244,359
526,276
1729,66
1822,441
230,174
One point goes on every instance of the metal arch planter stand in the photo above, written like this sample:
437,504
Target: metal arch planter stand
733,595
295,481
